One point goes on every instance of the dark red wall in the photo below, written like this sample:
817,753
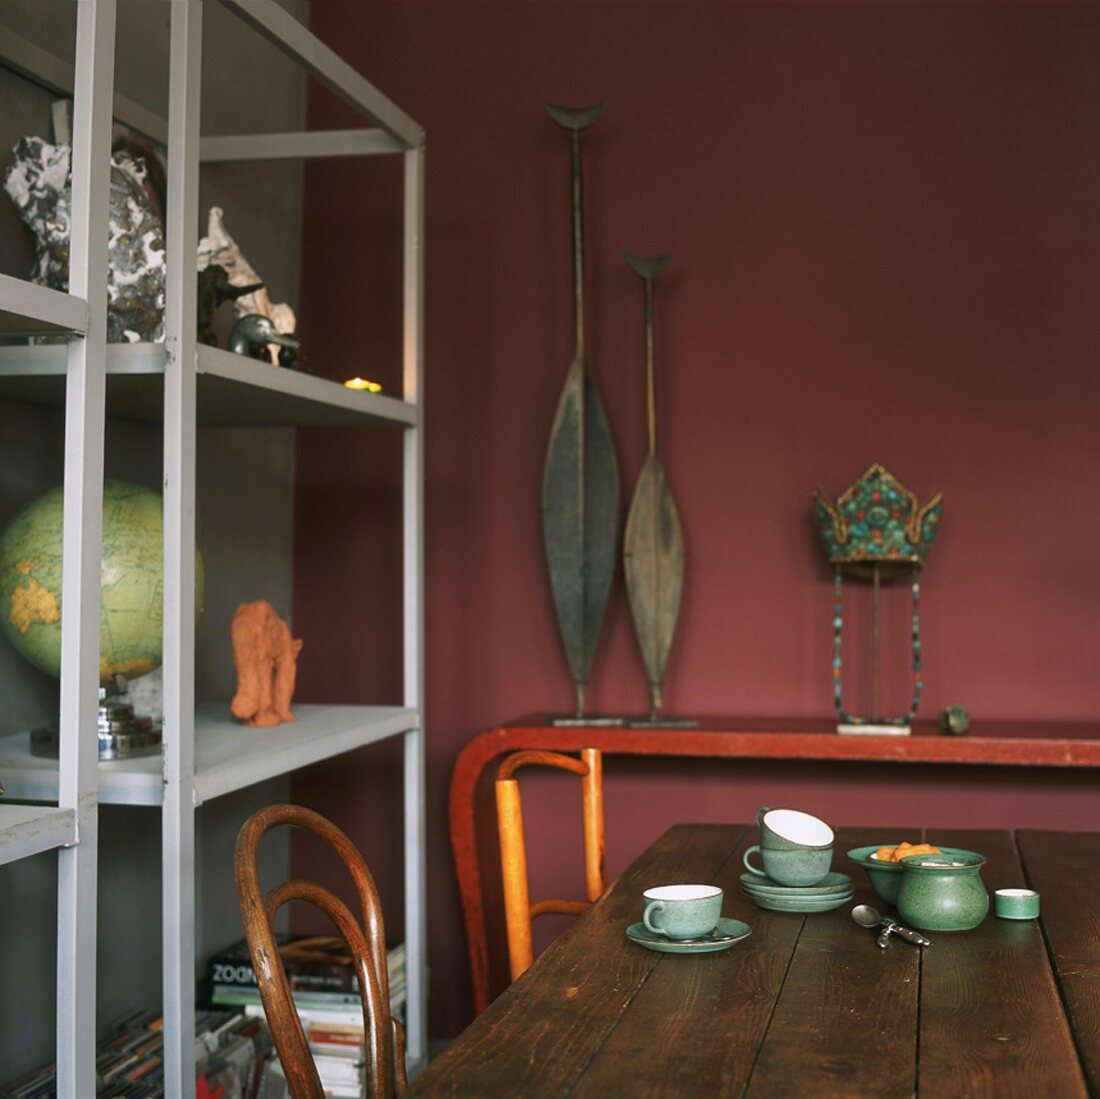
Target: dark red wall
885,221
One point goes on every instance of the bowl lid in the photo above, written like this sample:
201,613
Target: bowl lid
954,859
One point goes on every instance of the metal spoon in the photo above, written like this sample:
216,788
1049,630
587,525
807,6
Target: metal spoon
710,937
866,916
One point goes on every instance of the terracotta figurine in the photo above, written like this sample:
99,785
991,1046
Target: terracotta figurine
266,658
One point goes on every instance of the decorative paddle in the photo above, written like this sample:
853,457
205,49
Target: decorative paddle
653,546
580,483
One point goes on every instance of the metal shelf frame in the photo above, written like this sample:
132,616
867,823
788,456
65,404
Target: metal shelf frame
183,386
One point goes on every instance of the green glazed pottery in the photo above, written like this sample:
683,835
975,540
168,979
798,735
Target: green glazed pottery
637,933
1016,904
682,911
943,892
886,876
800,866
799,904
795,847
830,885
791,830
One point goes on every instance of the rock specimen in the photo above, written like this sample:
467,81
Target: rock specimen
40,184
266,658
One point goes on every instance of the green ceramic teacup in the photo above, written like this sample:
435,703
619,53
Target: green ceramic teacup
795,847
792,830
682,911
801,866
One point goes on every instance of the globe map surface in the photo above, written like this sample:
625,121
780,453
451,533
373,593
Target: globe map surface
131,623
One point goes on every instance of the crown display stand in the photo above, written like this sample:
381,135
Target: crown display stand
878,531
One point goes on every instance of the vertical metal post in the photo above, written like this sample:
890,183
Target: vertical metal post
415,878
178,817
85,397
875,632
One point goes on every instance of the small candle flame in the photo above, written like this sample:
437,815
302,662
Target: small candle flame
362,383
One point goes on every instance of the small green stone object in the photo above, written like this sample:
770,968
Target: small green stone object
955,720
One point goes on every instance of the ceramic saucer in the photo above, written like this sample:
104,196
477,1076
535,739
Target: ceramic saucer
829,886
637,933
800,904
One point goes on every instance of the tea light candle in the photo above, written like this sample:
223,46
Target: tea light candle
362,383
1016,904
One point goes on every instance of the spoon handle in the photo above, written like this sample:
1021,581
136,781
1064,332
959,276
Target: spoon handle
910,936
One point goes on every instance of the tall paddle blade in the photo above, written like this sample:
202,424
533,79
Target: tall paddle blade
580,485
653,560
653,547
580,520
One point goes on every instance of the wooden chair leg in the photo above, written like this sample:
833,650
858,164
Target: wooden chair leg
513,865
592,792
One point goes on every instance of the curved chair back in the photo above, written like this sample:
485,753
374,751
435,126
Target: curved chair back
518,910
365,938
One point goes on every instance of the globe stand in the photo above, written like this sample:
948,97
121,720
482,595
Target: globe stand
122,733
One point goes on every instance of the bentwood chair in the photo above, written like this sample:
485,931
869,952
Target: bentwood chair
384,1040
518,910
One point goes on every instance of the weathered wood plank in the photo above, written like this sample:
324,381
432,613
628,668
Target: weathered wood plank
542,1032
845,1023
991,1020
1062,867
694,1026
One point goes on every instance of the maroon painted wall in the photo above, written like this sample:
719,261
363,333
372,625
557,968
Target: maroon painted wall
885,222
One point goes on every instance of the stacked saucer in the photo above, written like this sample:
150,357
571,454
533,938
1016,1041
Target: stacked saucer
829,893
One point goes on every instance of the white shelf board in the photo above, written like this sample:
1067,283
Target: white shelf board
27,309
30,829
228,756
233,390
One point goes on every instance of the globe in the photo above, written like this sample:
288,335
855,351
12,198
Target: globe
131,622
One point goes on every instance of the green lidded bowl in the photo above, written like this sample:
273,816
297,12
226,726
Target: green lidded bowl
886,876
943,892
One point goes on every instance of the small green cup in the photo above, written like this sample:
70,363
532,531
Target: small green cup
1016,904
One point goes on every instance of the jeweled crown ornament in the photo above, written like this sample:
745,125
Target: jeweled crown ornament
877,529
877,520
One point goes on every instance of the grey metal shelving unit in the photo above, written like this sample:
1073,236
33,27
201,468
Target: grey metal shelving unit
184,385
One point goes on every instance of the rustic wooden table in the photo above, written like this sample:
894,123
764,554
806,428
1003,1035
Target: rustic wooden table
1065,745
808,1005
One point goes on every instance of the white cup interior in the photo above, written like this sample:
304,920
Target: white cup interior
1016,893
799,827
681,892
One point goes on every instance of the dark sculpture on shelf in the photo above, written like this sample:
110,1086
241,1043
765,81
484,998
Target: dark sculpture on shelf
215,289
254,333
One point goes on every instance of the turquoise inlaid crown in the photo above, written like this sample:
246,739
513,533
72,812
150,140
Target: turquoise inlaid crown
877,520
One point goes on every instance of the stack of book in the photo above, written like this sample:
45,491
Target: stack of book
234,1059
326,994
